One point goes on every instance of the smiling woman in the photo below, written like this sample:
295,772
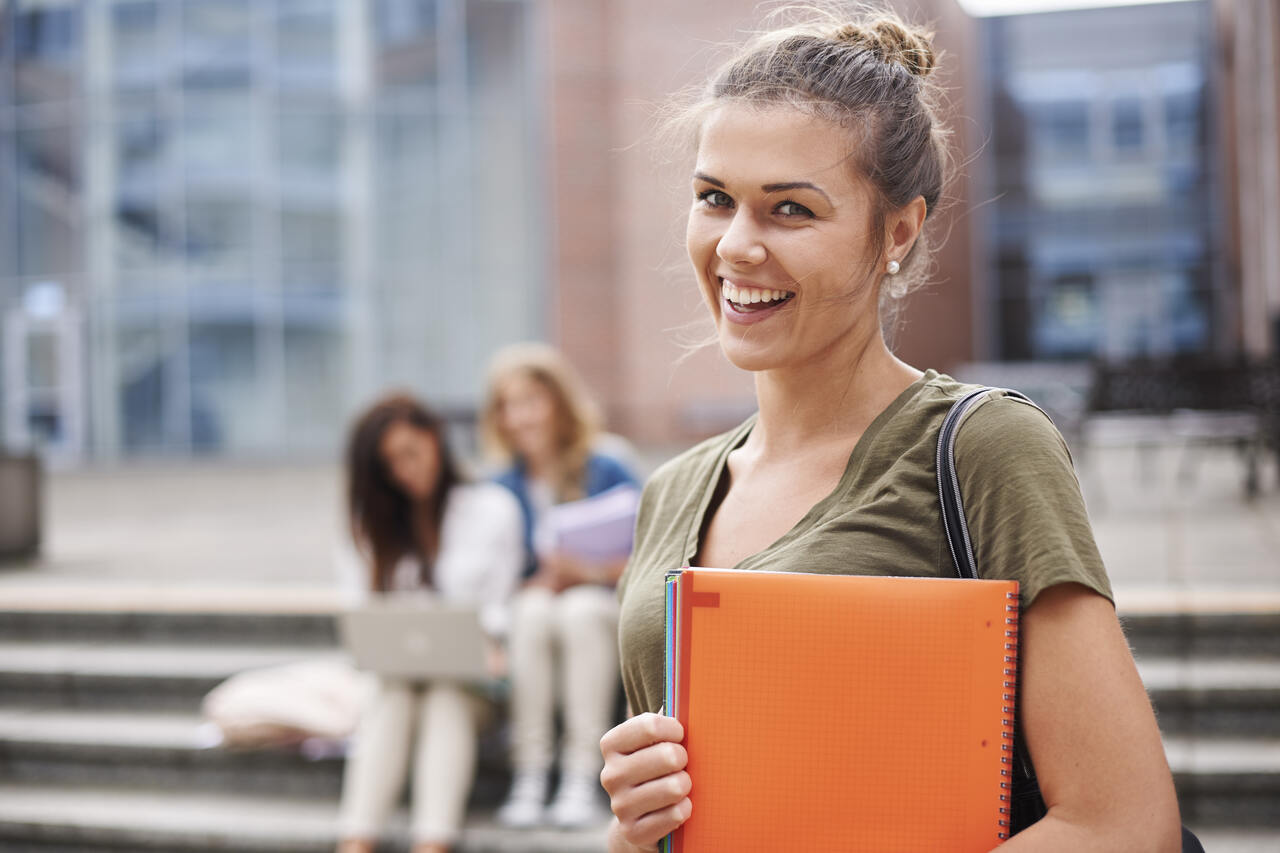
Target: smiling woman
819,161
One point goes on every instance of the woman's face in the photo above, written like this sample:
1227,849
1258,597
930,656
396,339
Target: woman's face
527,416
412,457
779,238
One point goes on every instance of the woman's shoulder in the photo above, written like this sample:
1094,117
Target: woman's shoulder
482,500
999,414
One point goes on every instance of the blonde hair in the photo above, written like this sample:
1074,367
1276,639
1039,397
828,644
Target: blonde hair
866,70
577,418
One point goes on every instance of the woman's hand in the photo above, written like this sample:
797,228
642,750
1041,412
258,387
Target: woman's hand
646,780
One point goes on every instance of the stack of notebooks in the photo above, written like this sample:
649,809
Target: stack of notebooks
838,713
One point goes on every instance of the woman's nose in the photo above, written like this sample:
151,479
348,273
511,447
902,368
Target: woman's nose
742,242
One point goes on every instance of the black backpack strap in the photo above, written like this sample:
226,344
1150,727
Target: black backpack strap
1026,804
953,520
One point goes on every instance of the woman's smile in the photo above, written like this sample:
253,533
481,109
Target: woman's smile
744,303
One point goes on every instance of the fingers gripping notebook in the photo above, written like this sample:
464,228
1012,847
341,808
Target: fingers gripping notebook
836,713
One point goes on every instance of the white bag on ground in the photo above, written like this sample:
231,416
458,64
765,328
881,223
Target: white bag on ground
287,704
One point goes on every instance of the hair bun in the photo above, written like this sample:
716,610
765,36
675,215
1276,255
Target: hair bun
891,41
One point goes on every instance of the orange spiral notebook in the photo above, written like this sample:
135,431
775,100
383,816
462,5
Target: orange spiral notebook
838,713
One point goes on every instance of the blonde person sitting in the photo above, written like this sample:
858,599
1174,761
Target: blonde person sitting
563,632
420,529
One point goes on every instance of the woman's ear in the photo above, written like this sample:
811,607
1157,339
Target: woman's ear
903,227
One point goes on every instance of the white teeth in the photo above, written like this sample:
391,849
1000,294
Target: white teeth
743,296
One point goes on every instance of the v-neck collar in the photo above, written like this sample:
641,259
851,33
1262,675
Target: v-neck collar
717,470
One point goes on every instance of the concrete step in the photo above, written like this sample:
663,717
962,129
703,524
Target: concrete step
169,751
170,627
1189,633
103,819
128,675
1226,782
1238,841
1214,696
148,749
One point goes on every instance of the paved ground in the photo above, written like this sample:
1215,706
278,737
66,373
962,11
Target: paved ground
148,532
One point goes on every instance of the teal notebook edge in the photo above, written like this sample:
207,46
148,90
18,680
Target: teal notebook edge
671,592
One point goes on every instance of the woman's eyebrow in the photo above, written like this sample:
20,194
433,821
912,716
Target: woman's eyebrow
699,176
795,185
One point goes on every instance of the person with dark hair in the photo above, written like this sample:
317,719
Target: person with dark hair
820,159
420,528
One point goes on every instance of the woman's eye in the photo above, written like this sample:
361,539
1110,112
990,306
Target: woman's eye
714,198
790,208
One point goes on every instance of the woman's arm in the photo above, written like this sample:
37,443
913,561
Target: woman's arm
1091,732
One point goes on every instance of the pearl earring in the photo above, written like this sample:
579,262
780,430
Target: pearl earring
893,267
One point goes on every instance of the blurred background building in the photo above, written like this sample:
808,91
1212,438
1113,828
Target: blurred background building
226,224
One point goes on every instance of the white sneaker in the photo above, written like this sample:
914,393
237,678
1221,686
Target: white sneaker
578,802
524,806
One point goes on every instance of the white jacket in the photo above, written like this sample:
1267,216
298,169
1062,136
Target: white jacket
479,561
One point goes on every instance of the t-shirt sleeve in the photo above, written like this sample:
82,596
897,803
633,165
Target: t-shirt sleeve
1023,503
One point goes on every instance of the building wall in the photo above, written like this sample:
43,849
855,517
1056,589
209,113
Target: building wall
627,311
1247,57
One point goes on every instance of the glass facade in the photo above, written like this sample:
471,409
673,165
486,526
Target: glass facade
237,220
1104,220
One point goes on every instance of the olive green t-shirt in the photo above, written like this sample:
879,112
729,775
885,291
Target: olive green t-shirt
1021,498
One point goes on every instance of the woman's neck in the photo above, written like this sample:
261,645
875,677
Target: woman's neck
541,466
828,400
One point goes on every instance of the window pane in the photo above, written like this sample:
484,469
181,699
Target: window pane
217,142
1062,128
309,145
49,239
224,386
315,356
1127,125
46,43
219,234
310,237
144,355
406,42
136,46
217,46
306,43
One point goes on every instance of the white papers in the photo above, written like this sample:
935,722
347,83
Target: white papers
596,529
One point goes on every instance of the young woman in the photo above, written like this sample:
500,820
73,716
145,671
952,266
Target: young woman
819,160
539,419
420,529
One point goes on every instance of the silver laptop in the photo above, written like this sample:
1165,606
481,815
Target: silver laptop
422,640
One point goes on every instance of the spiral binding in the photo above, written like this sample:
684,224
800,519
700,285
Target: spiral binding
1010,688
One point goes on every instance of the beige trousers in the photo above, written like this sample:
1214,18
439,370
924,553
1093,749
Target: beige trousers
435,721
572,635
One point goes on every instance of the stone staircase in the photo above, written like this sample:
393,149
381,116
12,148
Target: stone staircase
102,748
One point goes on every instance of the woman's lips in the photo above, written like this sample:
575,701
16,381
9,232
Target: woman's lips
745,305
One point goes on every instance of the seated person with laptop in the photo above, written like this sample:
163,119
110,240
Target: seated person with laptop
437,559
